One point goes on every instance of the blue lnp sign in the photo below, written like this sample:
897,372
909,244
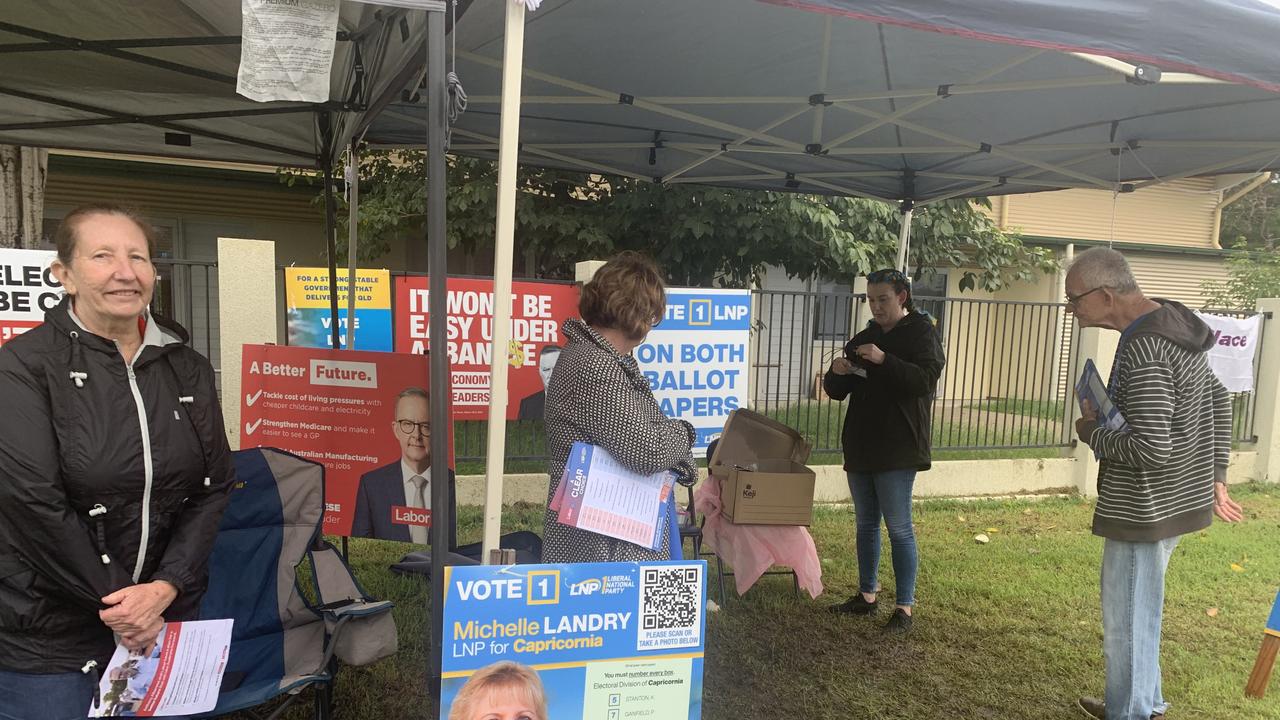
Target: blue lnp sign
1273,623
603,641
696,358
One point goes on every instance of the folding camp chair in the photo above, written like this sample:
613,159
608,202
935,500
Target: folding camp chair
282,641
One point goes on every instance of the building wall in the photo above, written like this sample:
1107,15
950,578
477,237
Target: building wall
1177,277
193,207
1179,213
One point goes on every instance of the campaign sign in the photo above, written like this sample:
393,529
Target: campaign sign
1273,623
310,315
27,290
594,640
537,312
363,415
696,358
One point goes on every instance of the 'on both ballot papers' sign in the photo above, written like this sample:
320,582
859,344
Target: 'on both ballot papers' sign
604,640
696,358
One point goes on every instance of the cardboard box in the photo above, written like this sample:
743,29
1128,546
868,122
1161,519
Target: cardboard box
763,478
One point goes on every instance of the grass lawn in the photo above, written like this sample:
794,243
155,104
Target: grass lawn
1010,630
996,425
1021,422
1047,409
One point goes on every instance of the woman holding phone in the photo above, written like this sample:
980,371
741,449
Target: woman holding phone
889,373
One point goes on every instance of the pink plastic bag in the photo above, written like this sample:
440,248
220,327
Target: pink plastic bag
753,549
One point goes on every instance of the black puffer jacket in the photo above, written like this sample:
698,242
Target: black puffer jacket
888,422
86,481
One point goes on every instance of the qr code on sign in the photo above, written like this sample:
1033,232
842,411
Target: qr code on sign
670,606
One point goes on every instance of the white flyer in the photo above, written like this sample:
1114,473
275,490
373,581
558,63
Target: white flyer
286,49
180,676
606,498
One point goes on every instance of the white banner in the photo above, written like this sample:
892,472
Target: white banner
27,290
1235,340
696,358
286,49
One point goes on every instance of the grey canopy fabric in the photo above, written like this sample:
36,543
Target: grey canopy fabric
158,77
922,100
1228,39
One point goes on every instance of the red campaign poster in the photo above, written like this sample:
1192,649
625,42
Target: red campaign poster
538,310
364,415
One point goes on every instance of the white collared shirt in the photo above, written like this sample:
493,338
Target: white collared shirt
417,533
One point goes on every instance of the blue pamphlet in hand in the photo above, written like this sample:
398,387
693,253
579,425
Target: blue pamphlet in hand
1090,387
598,494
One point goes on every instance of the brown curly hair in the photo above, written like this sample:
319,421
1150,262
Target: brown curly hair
626,294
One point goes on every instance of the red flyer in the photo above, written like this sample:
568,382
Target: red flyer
537,312
364,415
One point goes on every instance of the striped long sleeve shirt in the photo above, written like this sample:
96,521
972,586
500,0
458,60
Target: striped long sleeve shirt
1156,479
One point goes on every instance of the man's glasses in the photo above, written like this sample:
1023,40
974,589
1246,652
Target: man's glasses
409,427
1074,300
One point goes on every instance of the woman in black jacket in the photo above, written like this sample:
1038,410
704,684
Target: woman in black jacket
114,471
888,372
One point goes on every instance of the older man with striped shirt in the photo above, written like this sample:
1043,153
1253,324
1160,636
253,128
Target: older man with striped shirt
1161,478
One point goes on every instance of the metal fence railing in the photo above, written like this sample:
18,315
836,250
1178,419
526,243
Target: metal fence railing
187,292
1007,382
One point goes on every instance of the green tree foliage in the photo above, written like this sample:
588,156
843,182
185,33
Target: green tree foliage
1251,226
698,234
1251,275
1253,221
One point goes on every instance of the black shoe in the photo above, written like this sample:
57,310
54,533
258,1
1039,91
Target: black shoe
899,623
856,605
1092,707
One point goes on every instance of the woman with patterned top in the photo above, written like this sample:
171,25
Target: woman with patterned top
598,396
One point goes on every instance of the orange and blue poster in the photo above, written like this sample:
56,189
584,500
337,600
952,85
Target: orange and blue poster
587,641
310,319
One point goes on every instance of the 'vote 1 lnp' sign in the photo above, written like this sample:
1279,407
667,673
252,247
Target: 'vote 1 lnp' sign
27,290
597,640
696,358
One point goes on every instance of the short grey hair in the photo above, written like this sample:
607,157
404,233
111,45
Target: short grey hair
1104,267
413,392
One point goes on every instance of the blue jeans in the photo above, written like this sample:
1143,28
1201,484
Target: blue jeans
61,696
887,495
1132,610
